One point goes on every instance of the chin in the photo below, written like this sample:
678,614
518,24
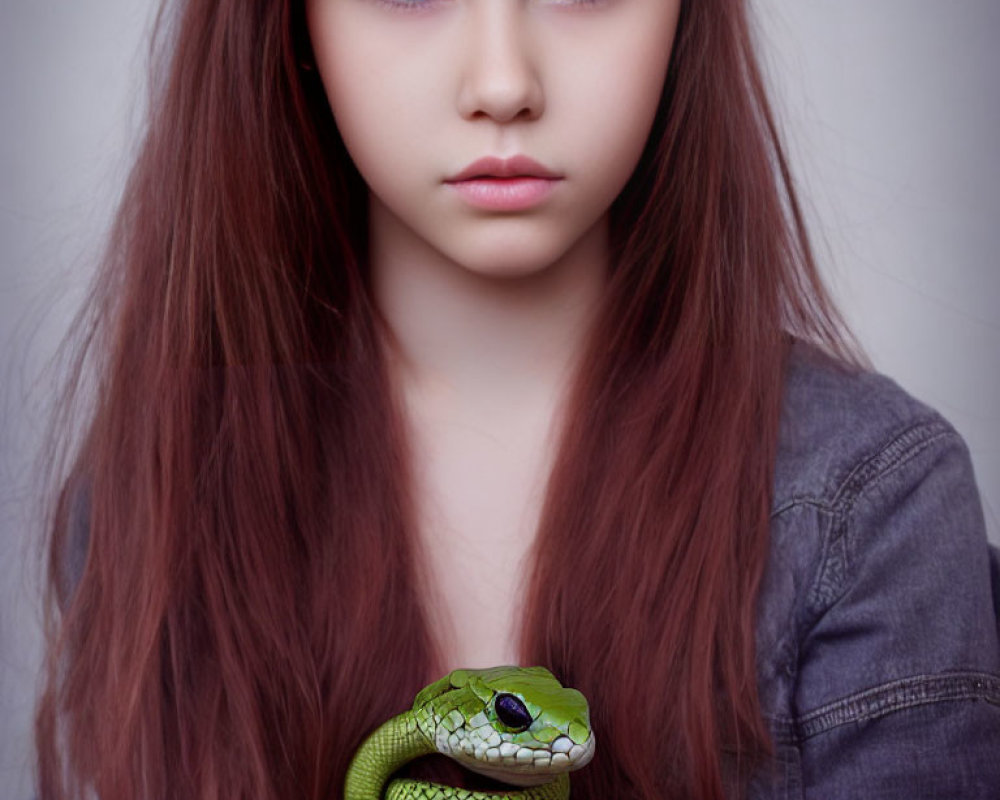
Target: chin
508,262
508,270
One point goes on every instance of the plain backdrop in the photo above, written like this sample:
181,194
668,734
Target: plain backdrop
891,114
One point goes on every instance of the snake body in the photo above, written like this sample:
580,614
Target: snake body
518,725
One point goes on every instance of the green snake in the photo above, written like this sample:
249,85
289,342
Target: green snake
518,725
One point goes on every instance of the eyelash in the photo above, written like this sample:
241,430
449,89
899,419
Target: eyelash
408,5
423,5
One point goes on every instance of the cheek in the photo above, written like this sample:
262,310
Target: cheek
367,129
614,101
366,90
392,111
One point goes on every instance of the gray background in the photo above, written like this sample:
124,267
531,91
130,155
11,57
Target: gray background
892,117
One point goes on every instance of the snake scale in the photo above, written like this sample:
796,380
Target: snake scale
518,725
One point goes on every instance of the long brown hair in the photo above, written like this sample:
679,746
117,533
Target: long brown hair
249,608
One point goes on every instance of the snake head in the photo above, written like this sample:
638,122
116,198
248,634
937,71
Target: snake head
518,725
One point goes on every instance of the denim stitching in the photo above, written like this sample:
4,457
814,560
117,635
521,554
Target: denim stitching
884,459
835,566
871,704
905,446
831,573
783,729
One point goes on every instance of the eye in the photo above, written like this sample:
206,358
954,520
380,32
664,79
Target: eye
511,712
408,5
578,2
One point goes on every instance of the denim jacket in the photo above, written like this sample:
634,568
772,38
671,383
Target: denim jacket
878,655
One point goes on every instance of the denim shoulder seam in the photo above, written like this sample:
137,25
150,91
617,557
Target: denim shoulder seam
798,501
896,452
834,567
871,704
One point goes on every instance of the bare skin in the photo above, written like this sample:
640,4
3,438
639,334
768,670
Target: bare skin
488,308
483,376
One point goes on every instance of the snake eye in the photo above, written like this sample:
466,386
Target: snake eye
512,712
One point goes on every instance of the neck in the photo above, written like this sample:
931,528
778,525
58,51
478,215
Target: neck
484,337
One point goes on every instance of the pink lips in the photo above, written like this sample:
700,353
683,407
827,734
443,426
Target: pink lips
497,184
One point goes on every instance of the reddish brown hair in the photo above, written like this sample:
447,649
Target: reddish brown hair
249,605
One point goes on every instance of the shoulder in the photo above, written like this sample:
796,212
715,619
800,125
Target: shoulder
842,427
877,623
874,493
862,470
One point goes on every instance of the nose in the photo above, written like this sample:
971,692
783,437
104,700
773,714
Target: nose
500,80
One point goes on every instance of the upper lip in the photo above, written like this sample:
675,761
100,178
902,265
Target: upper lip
493,167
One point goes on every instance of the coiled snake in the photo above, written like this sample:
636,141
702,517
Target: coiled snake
518,725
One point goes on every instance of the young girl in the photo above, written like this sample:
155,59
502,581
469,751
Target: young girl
459,333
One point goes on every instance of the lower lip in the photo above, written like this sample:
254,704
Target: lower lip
505,194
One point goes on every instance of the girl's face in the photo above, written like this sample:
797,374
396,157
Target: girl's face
561,94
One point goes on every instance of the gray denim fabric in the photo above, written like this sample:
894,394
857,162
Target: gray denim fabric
878,654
